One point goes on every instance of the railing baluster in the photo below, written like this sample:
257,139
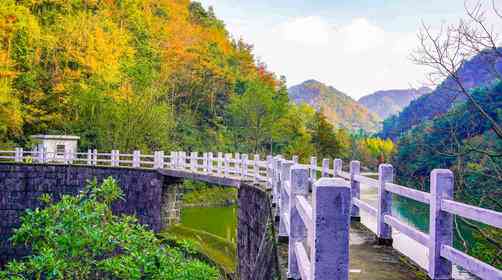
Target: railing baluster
284,201
337,167
160,163
204,163
313,169
270,171
440,224
384,231
220,163
210,162
355,169
95,161
89,157
19,155
325,167
136,157
256,168
331,217
227,164
295,159
245,162
277,197
237,164
299,184
193,161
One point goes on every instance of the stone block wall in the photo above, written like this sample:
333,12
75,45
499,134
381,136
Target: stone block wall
22,184
256,248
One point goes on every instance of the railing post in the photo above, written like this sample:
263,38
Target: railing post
284,200
355,189
295,159
155,159
325,167
277,186
384,231
89,157
42,155
313,169
160,162
193,161
220,163
178,160
66,156
441,224
172,160
136,156
45,155
330,251
256,168
95,153
270,171
337,167
245,159
299,184
19,155
210,162
237,164
182,160
204,163
116,158
227,165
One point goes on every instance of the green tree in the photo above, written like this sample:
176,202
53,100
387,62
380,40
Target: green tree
79,238
328,142
252,115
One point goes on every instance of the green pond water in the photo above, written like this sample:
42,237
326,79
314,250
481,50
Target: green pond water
220,221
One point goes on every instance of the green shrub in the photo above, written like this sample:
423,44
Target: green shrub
79,238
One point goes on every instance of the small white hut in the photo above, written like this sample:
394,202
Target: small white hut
56,146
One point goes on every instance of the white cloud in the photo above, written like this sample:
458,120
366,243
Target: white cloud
360,35
312,31
356,56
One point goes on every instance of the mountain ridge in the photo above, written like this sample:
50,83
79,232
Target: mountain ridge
386,103
339,108
480,70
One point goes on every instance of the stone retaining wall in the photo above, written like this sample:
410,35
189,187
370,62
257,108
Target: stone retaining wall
256,248
21,185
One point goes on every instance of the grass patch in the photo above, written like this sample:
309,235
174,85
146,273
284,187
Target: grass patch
219,250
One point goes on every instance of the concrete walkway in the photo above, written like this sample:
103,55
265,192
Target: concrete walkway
368,260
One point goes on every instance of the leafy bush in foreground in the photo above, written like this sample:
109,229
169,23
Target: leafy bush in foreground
79,238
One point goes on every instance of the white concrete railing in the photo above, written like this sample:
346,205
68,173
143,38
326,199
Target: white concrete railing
223,165
322,225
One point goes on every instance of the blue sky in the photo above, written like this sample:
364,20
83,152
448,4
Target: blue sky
358,46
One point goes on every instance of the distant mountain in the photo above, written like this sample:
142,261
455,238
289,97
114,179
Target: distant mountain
390,102
339,108
482,70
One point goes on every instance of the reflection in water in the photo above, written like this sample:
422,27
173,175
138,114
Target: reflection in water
413,213
220,221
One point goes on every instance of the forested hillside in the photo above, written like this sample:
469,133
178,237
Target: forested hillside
340,109
138,74
150,75
386,103
459,141
480,70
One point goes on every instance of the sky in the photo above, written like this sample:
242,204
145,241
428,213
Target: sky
357,46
